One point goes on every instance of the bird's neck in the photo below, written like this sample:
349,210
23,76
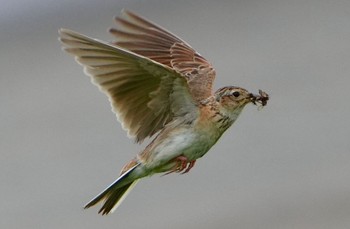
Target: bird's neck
221,118
225,118
231,114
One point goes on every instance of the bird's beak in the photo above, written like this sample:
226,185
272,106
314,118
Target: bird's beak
262,98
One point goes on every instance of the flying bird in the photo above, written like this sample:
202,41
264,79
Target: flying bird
160,88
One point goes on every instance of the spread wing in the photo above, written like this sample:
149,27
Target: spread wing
144,94
147,39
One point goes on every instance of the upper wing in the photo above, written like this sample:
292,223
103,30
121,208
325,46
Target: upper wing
144,94
148,39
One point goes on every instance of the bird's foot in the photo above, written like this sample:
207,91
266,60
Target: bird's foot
181,165
189,167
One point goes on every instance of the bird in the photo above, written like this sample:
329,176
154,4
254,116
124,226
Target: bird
160,89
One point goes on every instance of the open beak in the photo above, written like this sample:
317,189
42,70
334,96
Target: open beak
262,98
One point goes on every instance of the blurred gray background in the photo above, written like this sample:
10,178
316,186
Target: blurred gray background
286,166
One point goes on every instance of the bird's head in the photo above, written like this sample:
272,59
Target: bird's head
232,98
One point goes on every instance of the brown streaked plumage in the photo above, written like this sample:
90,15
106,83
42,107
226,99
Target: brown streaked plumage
160,87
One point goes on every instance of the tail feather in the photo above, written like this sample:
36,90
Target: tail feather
115,193
116,198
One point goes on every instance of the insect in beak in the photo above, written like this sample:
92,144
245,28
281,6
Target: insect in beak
262,98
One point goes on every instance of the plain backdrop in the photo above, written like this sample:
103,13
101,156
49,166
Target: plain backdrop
286,166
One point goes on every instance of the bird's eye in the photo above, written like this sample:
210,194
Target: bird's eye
236,94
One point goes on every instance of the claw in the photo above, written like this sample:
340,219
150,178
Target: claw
182,165
190,166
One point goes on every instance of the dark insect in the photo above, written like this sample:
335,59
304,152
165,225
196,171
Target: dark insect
262,98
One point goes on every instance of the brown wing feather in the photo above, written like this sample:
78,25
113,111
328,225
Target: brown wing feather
198,72
144,94
148,39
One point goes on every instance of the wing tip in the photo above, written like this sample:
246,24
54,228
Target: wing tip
65,32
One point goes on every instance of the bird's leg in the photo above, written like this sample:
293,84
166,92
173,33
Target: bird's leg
190,166
180,164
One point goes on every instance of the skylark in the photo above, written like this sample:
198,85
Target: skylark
159,87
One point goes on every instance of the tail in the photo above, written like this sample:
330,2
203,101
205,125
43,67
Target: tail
114,194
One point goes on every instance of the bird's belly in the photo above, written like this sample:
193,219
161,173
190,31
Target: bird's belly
187,143
198,147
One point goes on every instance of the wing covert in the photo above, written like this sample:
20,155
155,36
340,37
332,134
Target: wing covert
147,39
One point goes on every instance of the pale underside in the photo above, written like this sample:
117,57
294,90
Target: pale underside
150,76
